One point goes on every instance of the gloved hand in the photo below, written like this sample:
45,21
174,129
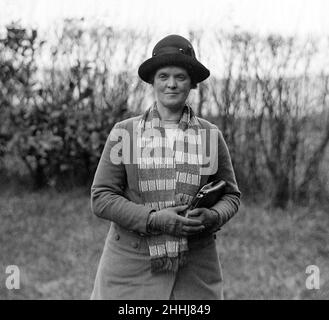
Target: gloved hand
170,222
207,217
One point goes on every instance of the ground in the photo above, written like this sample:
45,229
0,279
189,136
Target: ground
56,242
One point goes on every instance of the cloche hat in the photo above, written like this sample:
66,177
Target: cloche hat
173,50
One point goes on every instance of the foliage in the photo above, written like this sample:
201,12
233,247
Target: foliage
57,123
271,94
60,98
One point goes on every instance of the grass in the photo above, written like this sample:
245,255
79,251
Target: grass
56,242
265,253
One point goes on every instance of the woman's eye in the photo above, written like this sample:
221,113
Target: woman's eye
162,76
181,78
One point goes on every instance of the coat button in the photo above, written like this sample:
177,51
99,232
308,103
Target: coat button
117,237
135,245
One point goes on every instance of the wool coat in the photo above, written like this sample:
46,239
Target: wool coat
124,270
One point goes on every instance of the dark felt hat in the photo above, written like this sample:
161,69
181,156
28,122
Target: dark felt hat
173,50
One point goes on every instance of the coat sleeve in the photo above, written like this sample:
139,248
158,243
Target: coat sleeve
229,204
107,191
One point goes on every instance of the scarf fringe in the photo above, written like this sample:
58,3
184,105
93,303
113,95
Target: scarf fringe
160,264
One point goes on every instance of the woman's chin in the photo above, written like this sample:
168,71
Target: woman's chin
174,105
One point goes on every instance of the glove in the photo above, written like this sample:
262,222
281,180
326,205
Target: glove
208,217
170,222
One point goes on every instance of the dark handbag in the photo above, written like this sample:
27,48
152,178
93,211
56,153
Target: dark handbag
208,195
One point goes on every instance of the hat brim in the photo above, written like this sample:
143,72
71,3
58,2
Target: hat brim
196,70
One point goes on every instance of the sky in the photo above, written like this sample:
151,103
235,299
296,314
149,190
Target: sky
286,17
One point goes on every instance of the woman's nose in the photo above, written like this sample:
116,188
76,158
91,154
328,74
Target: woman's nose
171,82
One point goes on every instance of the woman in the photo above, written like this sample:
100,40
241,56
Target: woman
149,171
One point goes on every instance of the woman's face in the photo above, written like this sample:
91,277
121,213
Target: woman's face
171,86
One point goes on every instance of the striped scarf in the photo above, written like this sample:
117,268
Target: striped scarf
168,177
